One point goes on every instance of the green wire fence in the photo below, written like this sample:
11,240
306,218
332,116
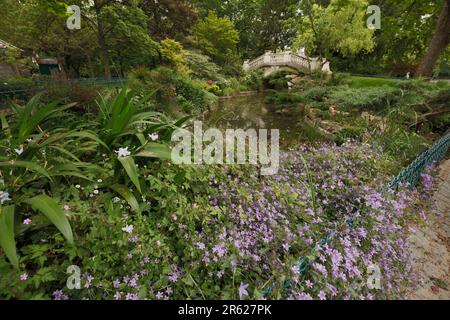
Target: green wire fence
17,88
411,174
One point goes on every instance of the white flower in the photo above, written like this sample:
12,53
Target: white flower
78,186
66,207
99,180
116,200
128,229
154,136
95,191
243,290
19,150
123,152
4,196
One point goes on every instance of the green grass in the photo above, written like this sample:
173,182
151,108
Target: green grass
368,82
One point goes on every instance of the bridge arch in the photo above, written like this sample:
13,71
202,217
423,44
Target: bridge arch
270,62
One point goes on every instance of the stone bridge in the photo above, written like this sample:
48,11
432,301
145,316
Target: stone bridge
271,62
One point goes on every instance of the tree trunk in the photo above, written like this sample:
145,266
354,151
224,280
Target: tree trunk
102,43
440,41
105,54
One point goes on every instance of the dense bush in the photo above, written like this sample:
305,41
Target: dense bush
171,87
375,99
284,99
253,80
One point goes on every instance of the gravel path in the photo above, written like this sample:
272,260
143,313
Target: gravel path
431,245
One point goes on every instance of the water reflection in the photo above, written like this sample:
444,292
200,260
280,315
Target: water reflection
253,112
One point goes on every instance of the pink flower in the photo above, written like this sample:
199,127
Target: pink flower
26,221
23,277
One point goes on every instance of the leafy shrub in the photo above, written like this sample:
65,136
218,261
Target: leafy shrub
253,80
369,82
350,133
174,55
284,98
376,98
339,79
401,144
203,68
170,86
316,93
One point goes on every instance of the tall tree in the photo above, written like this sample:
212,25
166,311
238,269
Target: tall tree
217,37
262,24
338,27
439,43
170,18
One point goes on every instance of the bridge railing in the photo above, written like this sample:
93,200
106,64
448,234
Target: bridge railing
283,59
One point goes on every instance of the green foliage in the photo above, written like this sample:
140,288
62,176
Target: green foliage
365,82
173,88
337,27
203,68
174,55
217,37
253,80
350,132
277,80
376,98
282,99
7,241
50,208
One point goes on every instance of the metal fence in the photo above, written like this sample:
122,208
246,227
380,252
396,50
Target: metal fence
411,174
18,88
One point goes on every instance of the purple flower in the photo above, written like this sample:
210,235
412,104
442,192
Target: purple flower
322,295
27,221
173,277
131,296
200,245
243,290
23,277
116,283
89,279
220,250
59,295
427,181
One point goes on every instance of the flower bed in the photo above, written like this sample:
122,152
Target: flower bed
319,229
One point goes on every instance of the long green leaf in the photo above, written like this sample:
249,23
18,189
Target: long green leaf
7,241
155,150
28,165
130,167
127,195
50,208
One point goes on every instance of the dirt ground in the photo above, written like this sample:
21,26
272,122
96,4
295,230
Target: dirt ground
431,245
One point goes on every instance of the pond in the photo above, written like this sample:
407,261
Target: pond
253,112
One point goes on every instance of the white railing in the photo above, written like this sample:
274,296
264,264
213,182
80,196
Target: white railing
286,59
